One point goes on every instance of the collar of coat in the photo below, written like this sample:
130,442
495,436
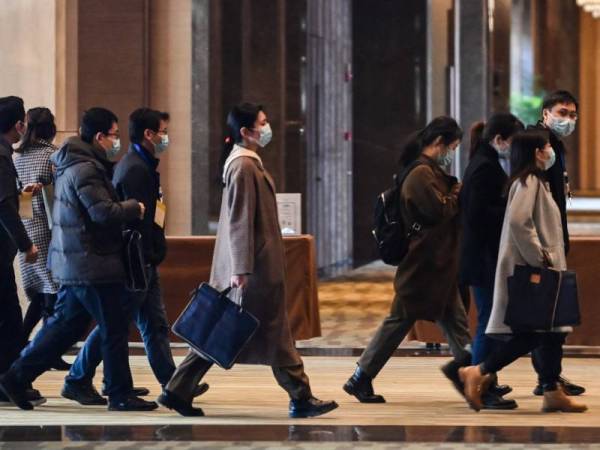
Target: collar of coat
237,152
437,169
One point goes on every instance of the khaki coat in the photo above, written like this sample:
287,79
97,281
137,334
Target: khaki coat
249,242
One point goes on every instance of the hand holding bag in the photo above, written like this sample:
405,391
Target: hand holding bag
541,298
215,327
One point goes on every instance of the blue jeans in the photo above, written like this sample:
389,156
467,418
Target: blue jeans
483,345
149,313
75,308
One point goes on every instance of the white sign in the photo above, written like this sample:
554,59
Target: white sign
289,208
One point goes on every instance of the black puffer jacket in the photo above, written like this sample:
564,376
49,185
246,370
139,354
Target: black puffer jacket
86,246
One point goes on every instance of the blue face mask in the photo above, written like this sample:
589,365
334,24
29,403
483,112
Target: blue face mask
561,127
162,146
446,160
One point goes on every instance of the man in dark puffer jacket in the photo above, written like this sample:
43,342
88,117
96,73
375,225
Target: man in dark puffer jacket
85,258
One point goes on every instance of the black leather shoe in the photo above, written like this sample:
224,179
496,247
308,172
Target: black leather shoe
568,388
450,371
360,385
84,394
492,401
500,389
136,392
35,397
200,389
132,403
171,401
311,407
15,392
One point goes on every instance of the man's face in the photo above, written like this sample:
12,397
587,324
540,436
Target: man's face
561,111
107,140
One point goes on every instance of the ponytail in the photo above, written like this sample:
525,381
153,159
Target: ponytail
441,127
476,136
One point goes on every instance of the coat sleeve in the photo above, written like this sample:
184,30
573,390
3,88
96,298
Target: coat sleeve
520,220
45,175
241,199
424,201
9,215
95,197
135,184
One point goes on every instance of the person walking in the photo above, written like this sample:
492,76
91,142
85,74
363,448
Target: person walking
426,281
34,167
531,235
249,256
559,120
483,203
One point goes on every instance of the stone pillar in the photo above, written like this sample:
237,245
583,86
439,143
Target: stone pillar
329,123
200,115
472,86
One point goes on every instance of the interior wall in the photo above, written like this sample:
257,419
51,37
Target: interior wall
589,93
27,46
389,98
170,89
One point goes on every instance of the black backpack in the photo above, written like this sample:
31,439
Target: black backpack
389,231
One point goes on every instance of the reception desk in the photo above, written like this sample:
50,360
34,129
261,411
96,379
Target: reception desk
188,264
584,259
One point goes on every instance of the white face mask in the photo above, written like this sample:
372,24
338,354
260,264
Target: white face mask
115,149
266,134
162,146
502,150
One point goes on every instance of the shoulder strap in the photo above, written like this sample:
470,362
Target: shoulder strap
401,176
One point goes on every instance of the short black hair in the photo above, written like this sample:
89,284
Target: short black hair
96,120
165,116
12,110
143,119
556,97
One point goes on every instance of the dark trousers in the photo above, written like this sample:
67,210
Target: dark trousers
548,365
41,306
148,310
483,345
396,326
192,369
74,309
547,349
11,318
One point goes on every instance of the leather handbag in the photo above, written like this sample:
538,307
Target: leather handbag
135,264
215,327
540,299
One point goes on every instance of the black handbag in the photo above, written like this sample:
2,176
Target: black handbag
135,264
215,327
540,299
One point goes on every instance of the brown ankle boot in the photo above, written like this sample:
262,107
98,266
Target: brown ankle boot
475,384
557,401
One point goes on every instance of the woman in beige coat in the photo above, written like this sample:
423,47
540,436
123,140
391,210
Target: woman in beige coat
249,257
531,235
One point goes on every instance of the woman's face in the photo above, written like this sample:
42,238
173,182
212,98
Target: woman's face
252,136
543,155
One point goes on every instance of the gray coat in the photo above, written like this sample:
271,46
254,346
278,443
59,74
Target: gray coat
532,224
249,242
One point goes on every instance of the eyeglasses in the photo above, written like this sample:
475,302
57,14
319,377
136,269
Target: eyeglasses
117,135
564,112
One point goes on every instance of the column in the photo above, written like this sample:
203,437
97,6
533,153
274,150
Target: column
329,119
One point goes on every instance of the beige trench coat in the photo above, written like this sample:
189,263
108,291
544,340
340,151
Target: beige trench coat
249,242
532,224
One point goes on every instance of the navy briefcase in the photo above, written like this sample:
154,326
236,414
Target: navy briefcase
214,326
